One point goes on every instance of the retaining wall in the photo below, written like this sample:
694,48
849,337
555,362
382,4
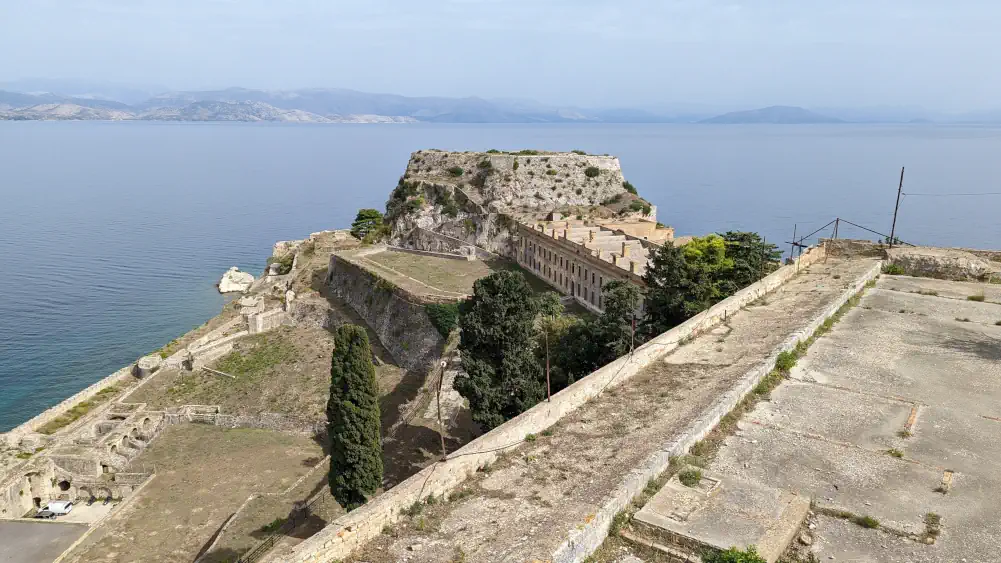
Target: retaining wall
276,422
854,247
451,256
13,437
355,528
397,317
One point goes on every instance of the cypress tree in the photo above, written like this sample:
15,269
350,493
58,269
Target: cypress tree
353,425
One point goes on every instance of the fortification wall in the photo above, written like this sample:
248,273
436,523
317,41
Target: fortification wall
276,422
396,316
355,528
13,437
856,247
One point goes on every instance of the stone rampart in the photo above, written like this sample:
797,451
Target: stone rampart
355,528
13,436
276,422
268,320
462,253
397,316
856,247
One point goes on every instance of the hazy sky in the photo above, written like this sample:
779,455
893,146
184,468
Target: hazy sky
931,53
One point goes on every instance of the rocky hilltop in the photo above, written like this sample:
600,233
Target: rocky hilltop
473,196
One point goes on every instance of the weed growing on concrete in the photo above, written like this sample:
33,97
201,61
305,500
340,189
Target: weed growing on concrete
866,522
414,509
23,455
902,311
618,522
933,524
894,452
963,319
786,361
547,432
733,555
904,434
893,270
870,283
460,494
836,276
930,292
459,557
690,477
941,489
979,298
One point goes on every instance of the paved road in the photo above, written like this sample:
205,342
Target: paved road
36,542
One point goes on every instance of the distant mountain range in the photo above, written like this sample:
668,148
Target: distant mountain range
773,114
82,100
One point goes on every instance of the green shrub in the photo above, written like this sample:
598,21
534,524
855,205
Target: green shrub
444,316
629,188
580,152
456,171
786,361
733,555
578,191
493,151
592,171
285,262
515,165
690,477
527,152
551,172
485,164
613,200
893,270
978,297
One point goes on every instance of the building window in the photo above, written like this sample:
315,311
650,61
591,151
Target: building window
585,294
592,277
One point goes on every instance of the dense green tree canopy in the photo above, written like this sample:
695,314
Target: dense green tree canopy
502,374
353,424
366,221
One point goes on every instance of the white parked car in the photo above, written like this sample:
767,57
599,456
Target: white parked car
59,507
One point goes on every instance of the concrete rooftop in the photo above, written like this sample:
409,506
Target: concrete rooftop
895,414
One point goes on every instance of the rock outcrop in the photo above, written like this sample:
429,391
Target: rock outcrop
235,281
452,199
939,263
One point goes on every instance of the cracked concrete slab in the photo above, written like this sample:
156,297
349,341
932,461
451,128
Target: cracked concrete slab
901,360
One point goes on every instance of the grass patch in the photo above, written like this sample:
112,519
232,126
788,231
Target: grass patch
867,522
78,410
273,526
733,555
930,292
893,270
547,432
265,355
24,455
979,298
531,437
933,524
904,434
894,452
690,477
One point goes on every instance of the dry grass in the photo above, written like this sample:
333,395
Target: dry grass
203,474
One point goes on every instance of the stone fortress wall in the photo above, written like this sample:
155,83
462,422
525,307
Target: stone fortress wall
355,528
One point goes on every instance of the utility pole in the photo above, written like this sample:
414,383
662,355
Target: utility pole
441,425
837,221
900,188
549,391
792,245
632,336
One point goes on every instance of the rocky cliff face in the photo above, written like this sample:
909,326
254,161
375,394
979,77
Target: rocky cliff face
473,197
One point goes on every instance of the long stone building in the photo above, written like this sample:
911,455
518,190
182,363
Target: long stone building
579,257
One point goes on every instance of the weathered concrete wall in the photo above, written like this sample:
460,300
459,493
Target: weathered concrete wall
348,532
397,317
855,247
268,320
461,253
276,422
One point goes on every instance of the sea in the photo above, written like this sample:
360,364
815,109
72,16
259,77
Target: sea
113,235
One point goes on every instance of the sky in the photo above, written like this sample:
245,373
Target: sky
932,54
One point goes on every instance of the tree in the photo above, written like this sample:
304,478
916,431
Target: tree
367,221
613,330
353,424
502,375
752,258
684,281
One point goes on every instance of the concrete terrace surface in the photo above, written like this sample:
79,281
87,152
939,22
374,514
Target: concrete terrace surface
916,369
33,542
525,505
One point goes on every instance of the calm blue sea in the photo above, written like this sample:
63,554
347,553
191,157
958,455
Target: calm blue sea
113,234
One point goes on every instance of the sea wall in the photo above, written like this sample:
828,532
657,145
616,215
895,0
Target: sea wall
396,316
355,528
13,437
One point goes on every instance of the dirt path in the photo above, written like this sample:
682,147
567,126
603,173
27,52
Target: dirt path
525,505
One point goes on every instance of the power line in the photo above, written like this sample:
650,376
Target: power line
952,195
